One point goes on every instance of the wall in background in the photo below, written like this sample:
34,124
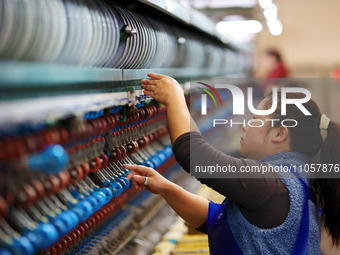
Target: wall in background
310,42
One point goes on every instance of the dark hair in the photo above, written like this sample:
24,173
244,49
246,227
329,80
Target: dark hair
276,54
306,138
328,190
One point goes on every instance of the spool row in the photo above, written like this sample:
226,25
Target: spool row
49,190
99,34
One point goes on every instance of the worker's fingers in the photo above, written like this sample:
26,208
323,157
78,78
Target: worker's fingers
143,170
148,93
139,179
149,87
156,76
137,185
131,177
149,82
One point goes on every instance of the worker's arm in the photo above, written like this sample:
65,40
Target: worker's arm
167,91
192,208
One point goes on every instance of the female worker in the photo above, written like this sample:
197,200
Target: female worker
265,213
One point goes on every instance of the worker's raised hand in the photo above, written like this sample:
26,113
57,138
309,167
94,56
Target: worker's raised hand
163,89
147,177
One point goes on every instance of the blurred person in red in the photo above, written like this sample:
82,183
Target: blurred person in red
275,65
274,68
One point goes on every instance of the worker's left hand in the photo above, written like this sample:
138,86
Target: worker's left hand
156,183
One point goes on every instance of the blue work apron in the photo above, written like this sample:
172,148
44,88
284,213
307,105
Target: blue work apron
222,241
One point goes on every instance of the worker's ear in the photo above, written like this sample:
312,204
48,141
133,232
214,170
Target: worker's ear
279,134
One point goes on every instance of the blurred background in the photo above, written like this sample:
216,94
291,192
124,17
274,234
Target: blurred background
304,31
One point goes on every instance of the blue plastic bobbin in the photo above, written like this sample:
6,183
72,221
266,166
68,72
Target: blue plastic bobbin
83,210
5,252
50,161
21,245
43,236
117,189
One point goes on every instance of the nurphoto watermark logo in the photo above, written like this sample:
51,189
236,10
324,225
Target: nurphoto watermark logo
238,102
